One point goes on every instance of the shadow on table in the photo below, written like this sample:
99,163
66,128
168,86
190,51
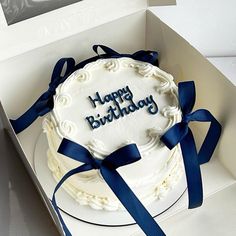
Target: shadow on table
22,211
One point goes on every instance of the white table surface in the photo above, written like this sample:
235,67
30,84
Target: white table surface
227,65
21,211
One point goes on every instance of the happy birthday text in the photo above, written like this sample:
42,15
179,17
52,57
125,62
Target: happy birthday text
116,111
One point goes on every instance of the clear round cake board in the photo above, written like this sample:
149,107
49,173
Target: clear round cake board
85,213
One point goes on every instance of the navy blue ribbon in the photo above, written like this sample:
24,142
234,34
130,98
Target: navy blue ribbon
181,133
45,104
121,157
142,55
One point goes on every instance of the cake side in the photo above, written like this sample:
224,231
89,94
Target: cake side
147,191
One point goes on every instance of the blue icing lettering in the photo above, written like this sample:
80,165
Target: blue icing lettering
153,108
94,124
115,111
96,99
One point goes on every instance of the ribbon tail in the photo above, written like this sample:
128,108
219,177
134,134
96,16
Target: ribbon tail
79,169
192,169
26,119
211,140
131,202
187,96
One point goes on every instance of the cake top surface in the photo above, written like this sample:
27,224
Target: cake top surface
113,102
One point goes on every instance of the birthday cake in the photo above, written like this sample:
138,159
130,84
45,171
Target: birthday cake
105,105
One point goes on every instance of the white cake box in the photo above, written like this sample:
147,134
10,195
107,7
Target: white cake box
26,63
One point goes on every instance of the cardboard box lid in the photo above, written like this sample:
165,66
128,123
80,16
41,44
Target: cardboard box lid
54,25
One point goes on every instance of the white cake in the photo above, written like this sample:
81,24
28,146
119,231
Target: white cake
108,104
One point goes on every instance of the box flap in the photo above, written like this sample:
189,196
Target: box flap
61,23
54,25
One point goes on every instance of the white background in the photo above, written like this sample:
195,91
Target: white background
209,25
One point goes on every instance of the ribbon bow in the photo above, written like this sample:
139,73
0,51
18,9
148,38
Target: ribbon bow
44,104
121,157
181,133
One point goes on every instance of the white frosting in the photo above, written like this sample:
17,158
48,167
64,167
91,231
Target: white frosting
157,171
62,100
